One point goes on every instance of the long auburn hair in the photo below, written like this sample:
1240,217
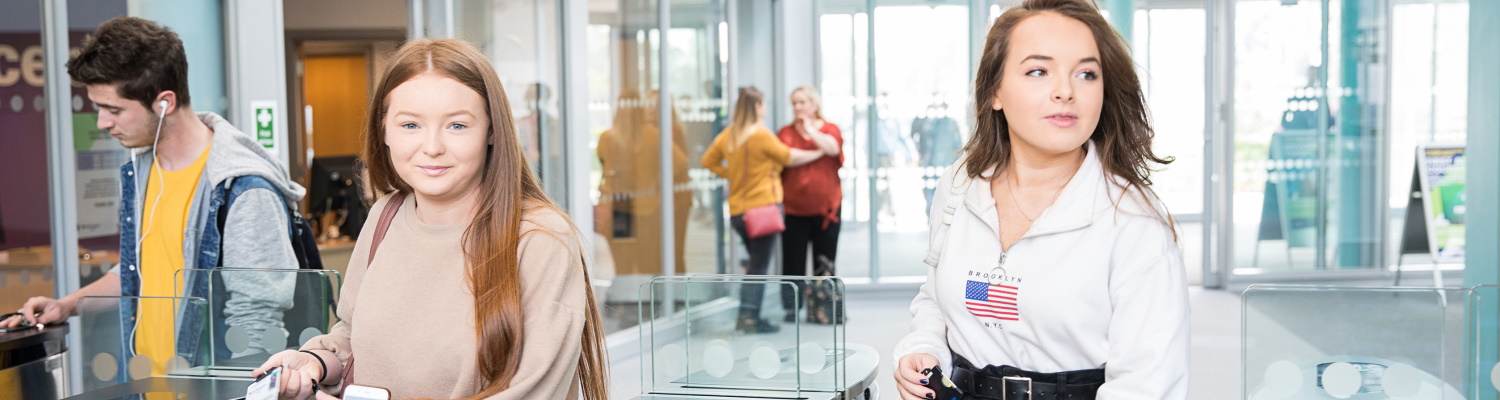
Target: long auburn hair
1123,136
508,190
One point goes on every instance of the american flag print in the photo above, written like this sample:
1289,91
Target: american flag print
985,300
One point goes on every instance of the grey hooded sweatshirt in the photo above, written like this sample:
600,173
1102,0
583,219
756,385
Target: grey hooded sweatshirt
255,234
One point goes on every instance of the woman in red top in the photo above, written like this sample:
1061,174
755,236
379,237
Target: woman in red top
813,191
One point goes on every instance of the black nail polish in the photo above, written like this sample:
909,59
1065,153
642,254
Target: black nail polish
924,381
929,395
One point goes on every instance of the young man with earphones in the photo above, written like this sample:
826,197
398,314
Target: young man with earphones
197,194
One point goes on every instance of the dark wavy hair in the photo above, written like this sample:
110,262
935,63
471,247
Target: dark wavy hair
143,58
1123,136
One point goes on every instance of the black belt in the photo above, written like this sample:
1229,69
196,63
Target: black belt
1010,383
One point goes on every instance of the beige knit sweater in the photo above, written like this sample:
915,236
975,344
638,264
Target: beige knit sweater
408,319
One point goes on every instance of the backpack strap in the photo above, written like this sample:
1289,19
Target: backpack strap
304,243
233,188
957,190
391,207
389,214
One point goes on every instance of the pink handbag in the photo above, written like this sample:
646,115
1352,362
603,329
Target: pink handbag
764,220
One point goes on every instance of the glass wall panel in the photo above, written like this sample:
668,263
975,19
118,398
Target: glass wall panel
922,94
27,264
25,230
1169,49
1276,72
523,41
98,173
1310,95
98,155
920,97
25,217
1429,102
624,138
844,45
698,47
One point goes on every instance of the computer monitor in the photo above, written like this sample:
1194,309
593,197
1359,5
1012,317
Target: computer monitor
334,187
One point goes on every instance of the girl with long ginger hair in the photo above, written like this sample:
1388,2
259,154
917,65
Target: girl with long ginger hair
477,289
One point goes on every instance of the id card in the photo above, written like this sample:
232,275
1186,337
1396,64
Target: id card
265,388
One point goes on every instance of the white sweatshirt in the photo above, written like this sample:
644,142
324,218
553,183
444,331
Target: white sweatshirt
1097,282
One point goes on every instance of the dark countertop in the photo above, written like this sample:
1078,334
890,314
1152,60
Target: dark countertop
17,348
192,388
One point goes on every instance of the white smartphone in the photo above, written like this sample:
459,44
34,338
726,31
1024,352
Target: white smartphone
361,392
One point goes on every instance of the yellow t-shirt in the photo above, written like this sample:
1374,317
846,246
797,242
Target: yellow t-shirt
163,223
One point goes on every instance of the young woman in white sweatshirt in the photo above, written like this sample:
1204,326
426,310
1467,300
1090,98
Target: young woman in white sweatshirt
1056,272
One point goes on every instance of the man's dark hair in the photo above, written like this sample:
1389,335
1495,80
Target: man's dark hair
141,57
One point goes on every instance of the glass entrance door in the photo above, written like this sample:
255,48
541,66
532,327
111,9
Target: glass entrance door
1309,101
1331,102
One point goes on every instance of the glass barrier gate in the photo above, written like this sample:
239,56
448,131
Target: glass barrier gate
695,339
1312,342
231,321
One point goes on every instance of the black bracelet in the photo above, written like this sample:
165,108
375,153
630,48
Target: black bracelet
321,363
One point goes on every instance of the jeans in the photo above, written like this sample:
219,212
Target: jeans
760,262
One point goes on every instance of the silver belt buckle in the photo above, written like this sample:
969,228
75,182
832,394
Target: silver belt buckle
1005,391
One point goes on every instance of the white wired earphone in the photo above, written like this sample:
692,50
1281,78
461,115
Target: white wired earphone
161,180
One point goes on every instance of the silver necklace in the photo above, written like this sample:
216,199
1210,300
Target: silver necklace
1010,185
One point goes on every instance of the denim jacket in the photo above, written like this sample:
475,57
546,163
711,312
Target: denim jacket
255,235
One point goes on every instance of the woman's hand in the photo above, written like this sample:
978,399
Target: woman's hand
910,382
299,373
825,142
827,145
